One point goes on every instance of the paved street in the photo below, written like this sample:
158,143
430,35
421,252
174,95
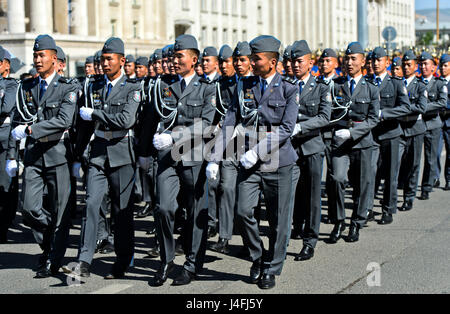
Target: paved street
412,253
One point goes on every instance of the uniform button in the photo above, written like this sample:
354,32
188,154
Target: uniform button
180,116
180,104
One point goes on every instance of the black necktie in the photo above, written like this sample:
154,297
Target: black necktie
352,86
378,81
302,84
110,86
263,86
42,89
183,85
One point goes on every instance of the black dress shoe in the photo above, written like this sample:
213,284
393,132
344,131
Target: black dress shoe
42,263
370,215
425,196
179,251
145,211
305,254
106,247
408,205
447,186
154,252
49,271
336,234
437,184
353,234
297,234
151,231
386,219
221,246
255,271
212,232
184,278
163,273
266,282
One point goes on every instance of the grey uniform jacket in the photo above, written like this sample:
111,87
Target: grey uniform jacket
194,114
362,115
314,113
115,114
437,100
411,124
47,146
8,89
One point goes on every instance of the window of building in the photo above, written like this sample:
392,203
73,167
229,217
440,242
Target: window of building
235,36
214,6
214,37
244,8
225,36
113,27
185,4
204,38
204,5
260,13
235,7
225,6
244,36
135,29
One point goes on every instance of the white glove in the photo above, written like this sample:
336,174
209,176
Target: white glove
144,163
86,113
76,170
419,117
11,168
162,141
19,132
297,129
212,170
249,159
343,134
380,115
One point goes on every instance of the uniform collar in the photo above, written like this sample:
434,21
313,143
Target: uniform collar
48,79
212,76
187,79
305,81
447,78
382,76
269,79
409,80
115,81
356,79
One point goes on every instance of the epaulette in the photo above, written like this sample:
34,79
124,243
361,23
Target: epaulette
421,79
67,80
372,81
321,80
340,80
169,79
442,78
397,78
203,80
131,80
289,80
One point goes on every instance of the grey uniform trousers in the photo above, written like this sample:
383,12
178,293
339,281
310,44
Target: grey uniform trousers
120,182
50,225
277,189
227,204
191,181
410,154
431,143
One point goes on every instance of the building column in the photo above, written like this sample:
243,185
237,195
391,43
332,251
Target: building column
41,17
79,21
16,16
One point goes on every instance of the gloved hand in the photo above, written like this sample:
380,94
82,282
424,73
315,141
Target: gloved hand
76,170
11,168
162,141
297,129
343,134
380,115
249,159
212,170
19,132
144,163
86,113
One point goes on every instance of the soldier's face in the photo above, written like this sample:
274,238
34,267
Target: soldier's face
210,65
302,66
427,68
398,71
263,65
151,70
287,64
379,65
354,64
158,67
165,65
227,68
45,61
328,65
445,69
2,67
89,69
141,71
242,65
112,64
129,68
184,62
409,68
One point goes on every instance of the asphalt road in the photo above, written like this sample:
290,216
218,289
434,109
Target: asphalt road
411,255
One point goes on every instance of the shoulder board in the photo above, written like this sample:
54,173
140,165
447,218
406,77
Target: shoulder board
320,80
442,79
397,78
203,80
371,81
340,80
289,80
131,80
421,79
66,80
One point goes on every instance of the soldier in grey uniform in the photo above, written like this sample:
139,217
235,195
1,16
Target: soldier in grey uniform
414,128
445,72
266,104
314,113
287,62
45,114
359,102
112,104
225,181
394,104
210,64
437,100
130,66
186,109
8,178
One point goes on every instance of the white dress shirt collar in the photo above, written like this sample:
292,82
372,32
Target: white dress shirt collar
115,81
48,79
356,79
269,79
187,79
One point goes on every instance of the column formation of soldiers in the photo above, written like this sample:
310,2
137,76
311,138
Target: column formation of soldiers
202,139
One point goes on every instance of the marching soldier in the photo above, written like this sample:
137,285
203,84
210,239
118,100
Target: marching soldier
157,62
130,67
414,128
210,64
112,103
397,69
97,60
8,176
179,105
314,113
89,69
394,104
46,112
287,62
61,66
270,107
445,72
141,68
437,100
241,59
359,102
224,194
